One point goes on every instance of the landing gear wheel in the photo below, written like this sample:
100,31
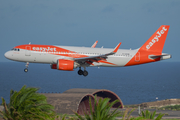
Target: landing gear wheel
26,70
85,73
80,72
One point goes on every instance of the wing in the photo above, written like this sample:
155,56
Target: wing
92,59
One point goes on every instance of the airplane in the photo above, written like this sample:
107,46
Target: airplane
68,58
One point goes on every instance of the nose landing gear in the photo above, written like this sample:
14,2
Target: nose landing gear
84,73
26,69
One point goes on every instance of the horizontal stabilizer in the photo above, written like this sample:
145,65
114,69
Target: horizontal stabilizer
162,57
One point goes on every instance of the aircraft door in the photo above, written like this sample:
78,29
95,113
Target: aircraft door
28,51
137,57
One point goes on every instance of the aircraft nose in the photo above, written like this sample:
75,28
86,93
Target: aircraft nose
7,55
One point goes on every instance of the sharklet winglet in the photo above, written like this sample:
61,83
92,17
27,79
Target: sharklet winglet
116,48
94,45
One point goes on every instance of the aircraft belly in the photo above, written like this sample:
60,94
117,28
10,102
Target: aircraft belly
119,61
113,62
43,58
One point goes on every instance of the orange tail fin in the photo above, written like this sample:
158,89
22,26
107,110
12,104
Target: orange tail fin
156,42
151,51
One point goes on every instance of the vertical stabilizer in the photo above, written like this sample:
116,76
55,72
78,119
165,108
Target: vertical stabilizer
152,48
156,42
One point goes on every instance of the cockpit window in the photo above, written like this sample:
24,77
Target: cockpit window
15,49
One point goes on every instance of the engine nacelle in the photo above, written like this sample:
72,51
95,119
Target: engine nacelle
62,64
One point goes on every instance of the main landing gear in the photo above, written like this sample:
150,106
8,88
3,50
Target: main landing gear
80,72
26,69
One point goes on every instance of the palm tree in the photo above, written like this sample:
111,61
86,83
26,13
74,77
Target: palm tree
148,115
101,110
27,104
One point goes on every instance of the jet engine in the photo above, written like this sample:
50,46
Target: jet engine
63,64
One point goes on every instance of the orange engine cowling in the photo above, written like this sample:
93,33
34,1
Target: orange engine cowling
62,64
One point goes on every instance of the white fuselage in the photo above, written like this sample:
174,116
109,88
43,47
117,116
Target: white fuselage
121,58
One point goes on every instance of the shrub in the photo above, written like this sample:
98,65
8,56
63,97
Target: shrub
148,115
27,104
101,110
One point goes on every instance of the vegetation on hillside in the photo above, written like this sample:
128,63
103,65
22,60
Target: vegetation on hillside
172,107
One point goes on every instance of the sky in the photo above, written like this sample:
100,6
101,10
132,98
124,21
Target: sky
82,22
